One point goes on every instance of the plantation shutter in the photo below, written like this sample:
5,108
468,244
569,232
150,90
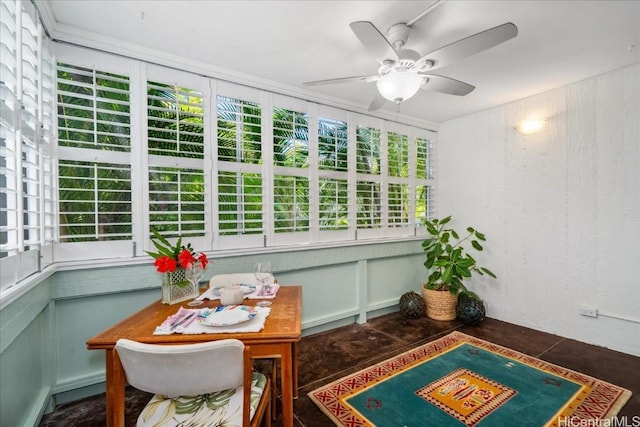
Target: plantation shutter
291,202
411,180
9,239
94,167
398,211
241,191
24,143
369,178
31,156
291,171
93,110
334,204
177,186
424,180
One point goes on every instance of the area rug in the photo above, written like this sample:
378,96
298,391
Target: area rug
463,380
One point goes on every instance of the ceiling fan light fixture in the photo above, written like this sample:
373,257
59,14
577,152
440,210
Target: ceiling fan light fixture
399,86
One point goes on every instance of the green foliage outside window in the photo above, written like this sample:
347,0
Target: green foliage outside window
95,196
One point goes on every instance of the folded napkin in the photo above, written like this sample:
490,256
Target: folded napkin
263,293
259,293
183,318
192,325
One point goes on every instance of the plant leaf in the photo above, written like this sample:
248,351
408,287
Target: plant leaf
486,270
447,275
431,229
462,271
465,262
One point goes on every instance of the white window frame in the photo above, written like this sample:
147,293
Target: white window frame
139,72
188,80
84,251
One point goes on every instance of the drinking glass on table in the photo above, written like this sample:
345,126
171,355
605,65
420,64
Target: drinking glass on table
265,277
194,274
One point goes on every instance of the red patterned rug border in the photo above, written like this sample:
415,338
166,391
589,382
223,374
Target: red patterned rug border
328,397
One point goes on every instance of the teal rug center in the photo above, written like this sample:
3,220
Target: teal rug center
469,386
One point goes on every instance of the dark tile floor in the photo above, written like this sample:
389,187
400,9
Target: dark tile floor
327,356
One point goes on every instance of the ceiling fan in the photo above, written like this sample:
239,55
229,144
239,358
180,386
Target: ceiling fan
402,72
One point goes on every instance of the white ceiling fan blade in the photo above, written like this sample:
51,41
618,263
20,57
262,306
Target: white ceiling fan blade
374,41
446,85
471,45
377,102
365,79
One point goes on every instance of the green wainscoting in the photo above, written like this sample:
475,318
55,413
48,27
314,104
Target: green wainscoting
43,356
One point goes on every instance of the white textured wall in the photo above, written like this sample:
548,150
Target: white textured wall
561,208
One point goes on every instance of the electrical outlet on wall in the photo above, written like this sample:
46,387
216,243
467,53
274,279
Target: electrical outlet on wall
589,311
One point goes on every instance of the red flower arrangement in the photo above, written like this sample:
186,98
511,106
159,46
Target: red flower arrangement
169,257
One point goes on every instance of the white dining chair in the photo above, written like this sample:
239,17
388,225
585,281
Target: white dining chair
210,383
249,279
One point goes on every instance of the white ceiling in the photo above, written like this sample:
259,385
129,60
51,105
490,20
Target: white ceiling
290,42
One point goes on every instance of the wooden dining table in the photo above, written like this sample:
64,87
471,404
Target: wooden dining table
278,339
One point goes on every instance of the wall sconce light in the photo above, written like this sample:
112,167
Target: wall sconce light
529,127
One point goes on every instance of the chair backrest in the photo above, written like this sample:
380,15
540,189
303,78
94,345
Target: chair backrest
233,279
183,370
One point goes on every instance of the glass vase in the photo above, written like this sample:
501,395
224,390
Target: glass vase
172,293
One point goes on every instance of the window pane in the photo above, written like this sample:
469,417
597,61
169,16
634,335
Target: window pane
424,154
332,144
398,154
93,109
334,204
368,204
424,204
176,201
239,131
95,201
398,205
239,203
291,203
368,150
290,138
175,121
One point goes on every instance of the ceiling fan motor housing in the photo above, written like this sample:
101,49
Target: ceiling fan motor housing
398,35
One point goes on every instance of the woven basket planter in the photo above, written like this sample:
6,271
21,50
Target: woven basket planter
441,305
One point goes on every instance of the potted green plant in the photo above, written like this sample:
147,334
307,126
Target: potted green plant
449,263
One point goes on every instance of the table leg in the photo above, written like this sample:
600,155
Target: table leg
115,389
287,381
294,356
